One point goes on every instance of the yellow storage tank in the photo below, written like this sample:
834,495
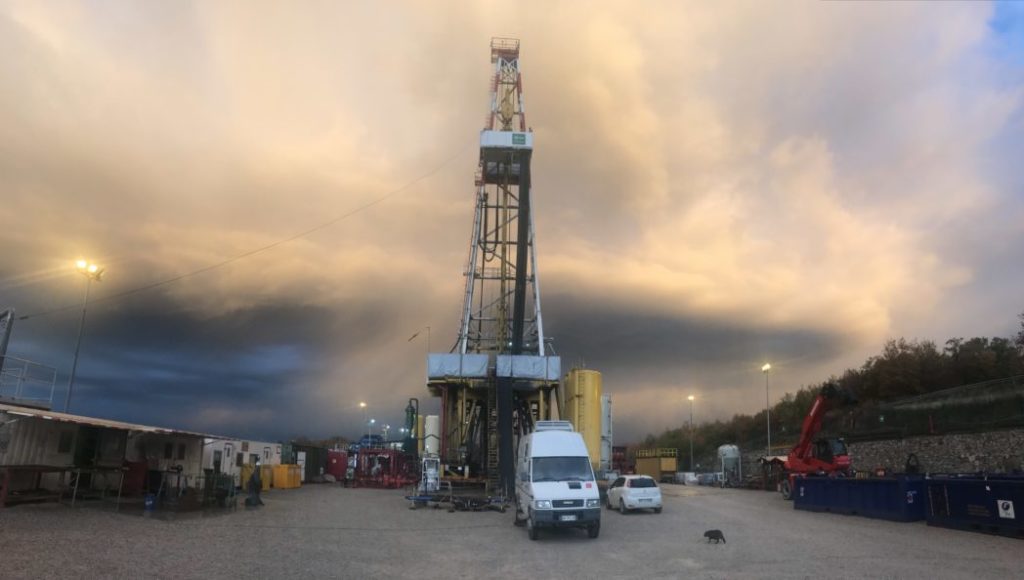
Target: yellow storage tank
295,476
582,406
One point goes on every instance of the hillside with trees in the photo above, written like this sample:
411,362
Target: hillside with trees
904,369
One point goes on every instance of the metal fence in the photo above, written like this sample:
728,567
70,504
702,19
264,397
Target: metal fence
979,407
27,382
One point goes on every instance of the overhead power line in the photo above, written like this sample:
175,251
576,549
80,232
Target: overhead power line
258,250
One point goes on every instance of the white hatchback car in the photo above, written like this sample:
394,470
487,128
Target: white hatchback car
631,492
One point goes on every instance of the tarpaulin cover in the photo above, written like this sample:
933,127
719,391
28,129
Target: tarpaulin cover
529,367
440,366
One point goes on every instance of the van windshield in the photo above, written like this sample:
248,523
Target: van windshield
562,469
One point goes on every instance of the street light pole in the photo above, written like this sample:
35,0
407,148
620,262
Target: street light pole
362,405
91,272
691,431
767,407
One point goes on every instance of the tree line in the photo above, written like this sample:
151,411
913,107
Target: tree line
904,368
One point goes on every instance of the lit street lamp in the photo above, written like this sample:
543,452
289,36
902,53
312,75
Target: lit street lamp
691,431
91,272
385,429
767,407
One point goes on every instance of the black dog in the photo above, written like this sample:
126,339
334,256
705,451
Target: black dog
715,535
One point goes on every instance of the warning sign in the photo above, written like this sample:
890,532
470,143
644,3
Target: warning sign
1005,509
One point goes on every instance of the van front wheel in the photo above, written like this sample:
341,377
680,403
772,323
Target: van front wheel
593,530
531,528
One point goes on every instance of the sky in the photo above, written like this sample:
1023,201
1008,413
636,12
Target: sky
716,186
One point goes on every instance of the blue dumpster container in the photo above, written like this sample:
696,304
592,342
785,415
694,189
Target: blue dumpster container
899,498
989,504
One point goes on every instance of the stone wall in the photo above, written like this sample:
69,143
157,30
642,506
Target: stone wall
993,452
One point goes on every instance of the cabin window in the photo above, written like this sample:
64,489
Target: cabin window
168,450
253,459
239,459
245,446
64,444
181,451
266,454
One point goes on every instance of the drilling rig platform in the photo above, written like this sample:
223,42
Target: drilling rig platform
501,375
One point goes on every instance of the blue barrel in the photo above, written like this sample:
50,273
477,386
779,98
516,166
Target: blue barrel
899,499
149,502
990,504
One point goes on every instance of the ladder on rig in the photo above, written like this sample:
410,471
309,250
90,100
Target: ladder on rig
493,474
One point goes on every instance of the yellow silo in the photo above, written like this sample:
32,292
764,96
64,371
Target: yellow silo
582,405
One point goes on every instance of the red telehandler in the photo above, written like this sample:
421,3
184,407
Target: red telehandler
812,456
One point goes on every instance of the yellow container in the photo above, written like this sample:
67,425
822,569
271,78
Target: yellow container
266,476
243,478
582,406
295,473
282,477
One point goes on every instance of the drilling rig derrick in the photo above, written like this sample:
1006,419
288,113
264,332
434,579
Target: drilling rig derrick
500,376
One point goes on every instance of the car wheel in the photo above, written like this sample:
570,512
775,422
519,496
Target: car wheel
622,507
657,510
531,528
593,530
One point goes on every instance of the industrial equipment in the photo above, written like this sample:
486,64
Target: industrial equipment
605,466
810,456
412,413
660,463
501,374
385,468
730,465
430,475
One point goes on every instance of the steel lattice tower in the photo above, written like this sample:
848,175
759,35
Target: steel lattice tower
498,377
501,311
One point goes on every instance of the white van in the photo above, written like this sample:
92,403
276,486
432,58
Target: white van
555,485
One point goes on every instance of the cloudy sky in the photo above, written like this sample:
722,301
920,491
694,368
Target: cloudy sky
716,186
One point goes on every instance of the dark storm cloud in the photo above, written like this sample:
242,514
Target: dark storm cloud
715,186
632,338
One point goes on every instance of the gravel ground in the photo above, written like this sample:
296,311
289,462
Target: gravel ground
330,532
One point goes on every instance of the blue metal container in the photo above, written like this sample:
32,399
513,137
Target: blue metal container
899,498
989,504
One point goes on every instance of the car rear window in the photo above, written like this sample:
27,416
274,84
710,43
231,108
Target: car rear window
643,482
